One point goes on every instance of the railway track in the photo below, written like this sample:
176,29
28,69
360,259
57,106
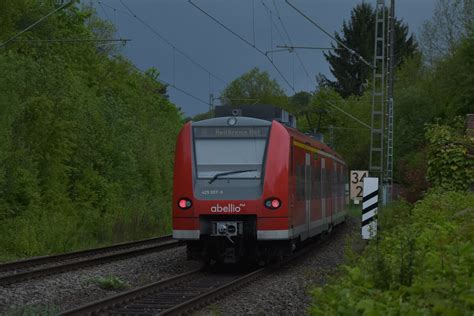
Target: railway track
18,271
181,294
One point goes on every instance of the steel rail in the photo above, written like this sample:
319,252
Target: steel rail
101,255
181,294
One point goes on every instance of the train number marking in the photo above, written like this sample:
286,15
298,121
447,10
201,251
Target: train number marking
212,192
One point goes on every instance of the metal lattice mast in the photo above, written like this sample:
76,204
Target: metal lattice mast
390,82
376,163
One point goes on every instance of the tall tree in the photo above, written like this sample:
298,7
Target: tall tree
450,23
254,86
358,34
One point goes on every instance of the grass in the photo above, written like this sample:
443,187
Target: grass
109,282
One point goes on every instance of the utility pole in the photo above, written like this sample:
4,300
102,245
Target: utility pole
376,158
211,102
390,81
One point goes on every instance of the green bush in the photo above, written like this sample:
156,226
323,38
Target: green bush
86,140
450,166
422,263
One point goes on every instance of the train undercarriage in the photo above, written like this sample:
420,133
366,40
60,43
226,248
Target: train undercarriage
233,239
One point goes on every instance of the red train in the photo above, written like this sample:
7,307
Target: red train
247,188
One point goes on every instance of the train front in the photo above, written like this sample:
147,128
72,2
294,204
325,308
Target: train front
230,192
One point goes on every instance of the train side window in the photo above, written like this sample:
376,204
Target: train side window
300,187
323,183
328,182
318,183
292,157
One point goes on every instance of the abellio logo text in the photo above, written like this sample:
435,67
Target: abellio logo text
229,208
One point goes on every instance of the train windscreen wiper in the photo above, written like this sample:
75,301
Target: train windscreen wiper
217,175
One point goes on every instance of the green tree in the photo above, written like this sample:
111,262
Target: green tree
86,140
350,73
254,87
450,23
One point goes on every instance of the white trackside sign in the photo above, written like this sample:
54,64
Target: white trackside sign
370,203
357,184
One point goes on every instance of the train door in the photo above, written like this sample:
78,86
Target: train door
323,190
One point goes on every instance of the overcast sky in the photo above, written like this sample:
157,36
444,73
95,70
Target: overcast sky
224,55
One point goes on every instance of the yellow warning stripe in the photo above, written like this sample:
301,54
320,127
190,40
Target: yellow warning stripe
314,150
304,146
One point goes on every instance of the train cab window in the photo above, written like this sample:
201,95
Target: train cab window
236,152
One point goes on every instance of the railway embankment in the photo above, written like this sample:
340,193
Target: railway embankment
59,292
286,291
421,263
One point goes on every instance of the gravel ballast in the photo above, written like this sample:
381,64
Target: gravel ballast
284,292
71,289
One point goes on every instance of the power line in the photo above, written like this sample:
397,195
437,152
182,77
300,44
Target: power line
171,85
348,114
73,40
112,8
154,31
270,13
292,48
245,41
35,23
291,43
353,52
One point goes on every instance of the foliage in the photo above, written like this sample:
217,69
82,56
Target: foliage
323,114
422,263
411,175
110,282
424,93
254,87
351,74
86,141
450,164
450,23
203,116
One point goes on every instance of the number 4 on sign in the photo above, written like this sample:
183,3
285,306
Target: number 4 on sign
357,184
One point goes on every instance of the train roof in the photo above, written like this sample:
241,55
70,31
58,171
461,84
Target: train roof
308,140
250,121
239,121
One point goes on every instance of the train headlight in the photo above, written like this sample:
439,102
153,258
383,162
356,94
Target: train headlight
272,203
184,203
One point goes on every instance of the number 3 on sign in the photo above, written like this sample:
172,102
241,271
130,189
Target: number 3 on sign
357,183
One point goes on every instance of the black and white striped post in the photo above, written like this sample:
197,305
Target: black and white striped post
370,202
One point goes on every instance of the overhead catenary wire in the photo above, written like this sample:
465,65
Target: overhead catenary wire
113,8
270,13
245,41
74,40
348,114
351,51
291,43
292,48
158,34
35,23
171,85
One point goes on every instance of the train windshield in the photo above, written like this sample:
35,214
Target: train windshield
238,151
